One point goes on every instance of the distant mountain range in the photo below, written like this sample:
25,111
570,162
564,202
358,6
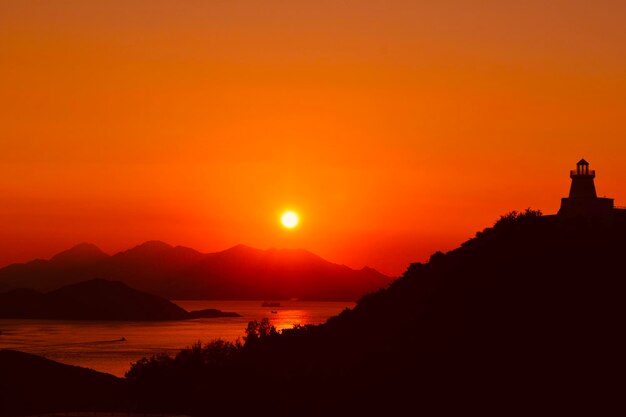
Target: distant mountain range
240,272
96,299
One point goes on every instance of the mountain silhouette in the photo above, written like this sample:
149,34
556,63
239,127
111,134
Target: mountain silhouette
95,299
83,253
178,272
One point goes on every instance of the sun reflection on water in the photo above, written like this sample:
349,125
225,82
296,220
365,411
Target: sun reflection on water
286,319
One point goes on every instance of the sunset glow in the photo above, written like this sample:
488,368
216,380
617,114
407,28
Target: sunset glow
311,207
420,122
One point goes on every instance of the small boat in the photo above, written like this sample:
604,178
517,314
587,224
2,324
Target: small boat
274,312
123,339
270,304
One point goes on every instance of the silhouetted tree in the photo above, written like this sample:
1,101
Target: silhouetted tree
257,331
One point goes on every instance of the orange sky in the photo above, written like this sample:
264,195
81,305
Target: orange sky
395,128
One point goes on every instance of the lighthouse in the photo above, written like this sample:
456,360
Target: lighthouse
583,200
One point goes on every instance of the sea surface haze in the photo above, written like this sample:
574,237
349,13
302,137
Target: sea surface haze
111,346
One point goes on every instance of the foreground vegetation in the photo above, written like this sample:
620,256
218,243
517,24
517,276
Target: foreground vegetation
522,316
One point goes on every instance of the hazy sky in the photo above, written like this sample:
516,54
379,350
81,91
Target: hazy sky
395,128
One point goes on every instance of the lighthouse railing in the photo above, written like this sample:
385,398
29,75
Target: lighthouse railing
591,172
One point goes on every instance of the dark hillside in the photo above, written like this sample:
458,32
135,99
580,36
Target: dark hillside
525,316
31,384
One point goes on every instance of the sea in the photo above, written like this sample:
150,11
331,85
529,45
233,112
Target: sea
111,346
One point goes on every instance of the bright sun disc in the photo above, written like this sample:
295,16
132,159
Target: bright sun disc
289,219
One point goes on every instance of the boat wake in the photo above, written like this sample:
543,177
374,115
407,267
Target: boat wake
97,342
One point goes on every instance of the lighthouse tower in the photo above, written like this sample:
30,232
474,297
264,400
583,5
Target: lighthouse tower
583,187
583,200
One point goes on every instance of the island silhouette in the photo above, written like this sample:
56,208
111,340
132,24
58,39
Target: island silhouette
523,318
96,299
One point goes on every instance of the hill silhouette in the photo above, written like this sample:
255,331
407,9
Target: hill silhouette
177,272
95,299
524,317
31,384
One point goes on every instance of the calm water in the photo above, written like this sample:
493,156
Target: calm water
97,345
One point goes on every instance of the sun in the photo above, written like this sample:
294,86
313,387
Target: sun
290,219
